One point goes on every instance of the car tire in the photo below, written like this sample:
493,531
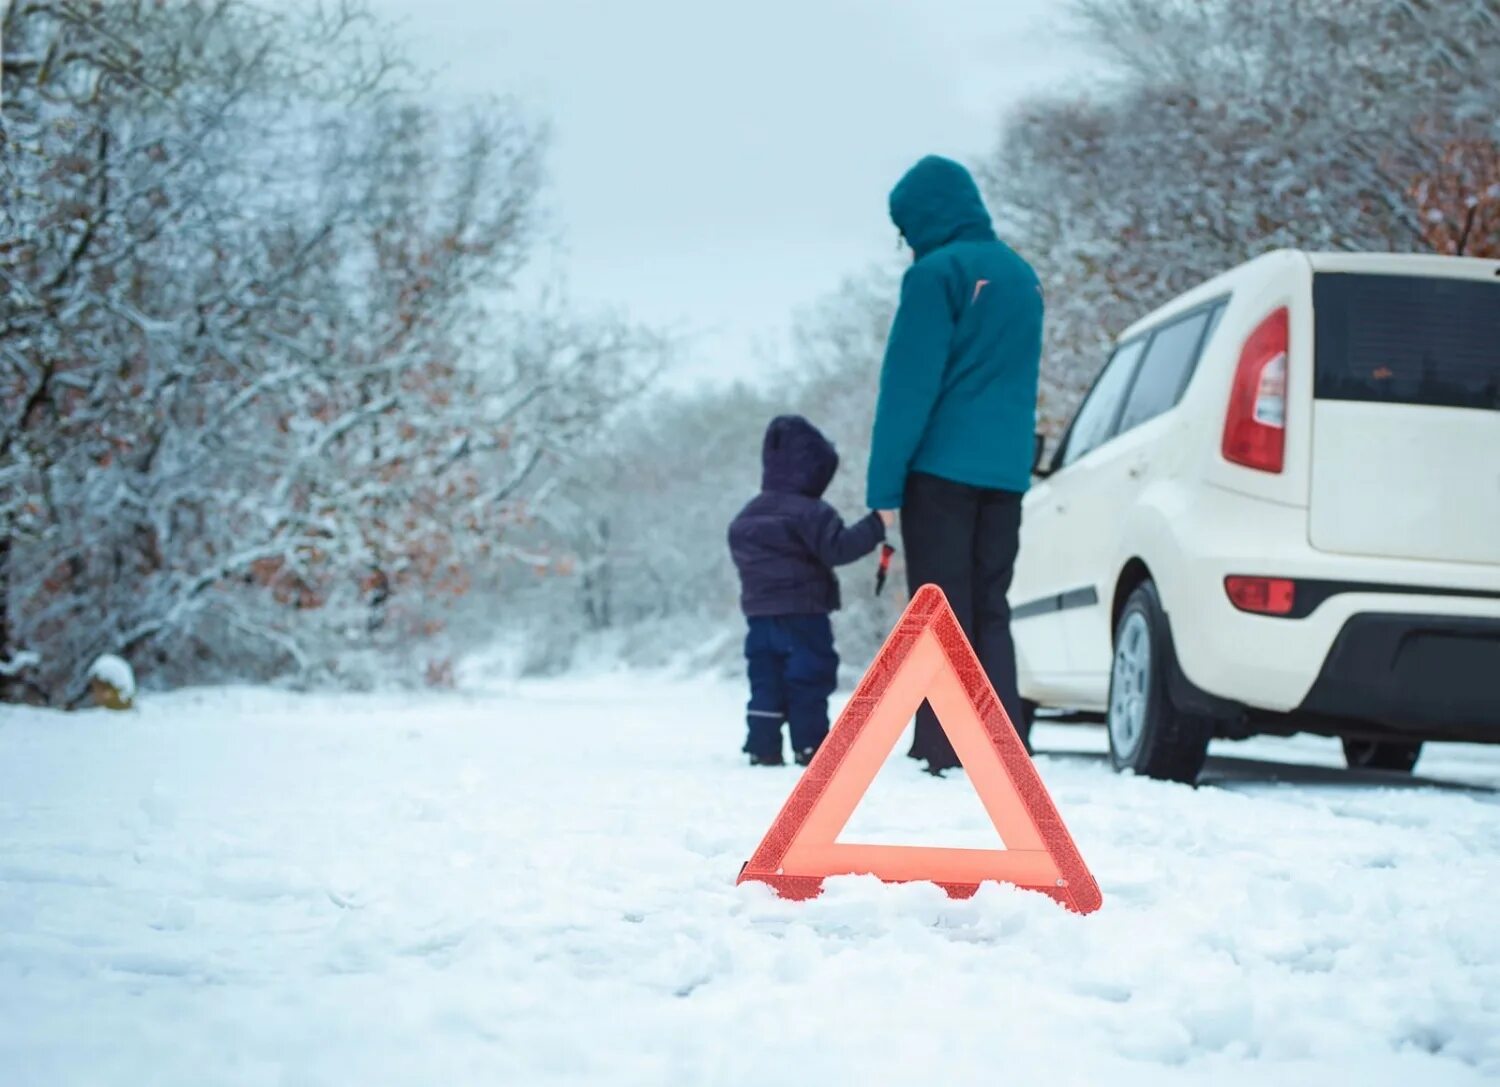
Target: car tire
1400,758
1147,733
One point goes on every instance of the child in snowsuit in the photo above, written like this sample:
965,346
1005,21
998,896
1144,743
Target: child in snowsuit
785,544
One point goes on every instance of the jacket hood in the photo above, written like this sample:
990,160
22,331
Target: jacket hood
936,203
796,458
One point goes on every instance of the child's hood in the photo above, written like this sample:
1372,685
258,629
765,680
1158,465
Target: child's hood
796,458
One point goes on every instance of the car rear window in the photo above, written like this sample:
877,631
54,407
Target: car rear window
1408,340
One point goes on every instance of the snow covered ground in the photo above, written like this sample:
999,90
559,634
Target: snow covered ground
534,884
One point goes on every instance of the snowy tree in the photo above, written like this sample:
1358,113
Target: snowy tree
263,377
1228,129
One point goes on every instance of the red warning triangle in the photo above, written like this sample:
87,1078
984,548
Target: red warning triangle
926,657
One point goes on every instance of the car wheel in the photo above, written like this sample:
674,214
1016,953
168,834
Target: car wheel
1381,755
1147,733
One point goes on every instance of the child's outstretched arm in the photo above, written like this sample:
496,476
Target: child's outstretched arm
838,544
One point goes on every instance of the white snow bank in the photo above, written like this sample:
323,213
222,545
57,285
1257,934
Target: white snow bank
536,886
115,671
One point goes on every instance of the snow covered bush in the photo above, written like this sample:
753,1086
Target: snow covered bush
266,399
112,682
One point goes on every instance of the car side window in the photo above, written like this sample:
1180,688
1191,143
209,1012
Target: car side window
1164,374
1095,422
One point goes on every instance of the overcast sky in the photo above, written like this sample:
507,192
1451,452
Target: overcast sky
717,165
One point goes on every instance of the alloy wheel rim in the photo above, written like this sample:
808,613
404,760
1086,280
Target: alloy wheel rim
1130,685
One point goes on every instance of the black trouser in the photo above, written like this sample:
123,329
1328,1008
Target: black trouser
964,540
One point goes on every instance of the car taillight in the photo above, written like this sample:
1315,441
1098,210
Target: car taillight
1262,595
1255,427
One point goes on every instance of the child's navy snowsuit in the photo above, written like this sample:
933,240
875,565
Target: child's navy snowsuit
785,544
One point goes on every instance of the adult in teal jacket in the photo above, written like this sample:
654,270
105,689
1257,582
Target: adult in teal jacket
956,418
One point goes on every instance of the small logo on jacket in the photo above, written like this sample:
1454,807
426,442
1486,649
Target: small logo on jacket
979,286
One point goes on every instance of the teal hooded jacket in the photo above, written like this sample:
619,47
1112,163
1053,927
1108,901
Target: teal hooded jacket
958,387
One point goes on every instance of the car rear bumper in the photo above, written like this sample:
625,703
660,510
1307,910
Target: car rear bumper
1377,656
1429,675
1284,664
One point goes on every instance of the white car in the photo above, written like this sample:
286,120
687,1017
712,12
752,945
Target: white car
1278,510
